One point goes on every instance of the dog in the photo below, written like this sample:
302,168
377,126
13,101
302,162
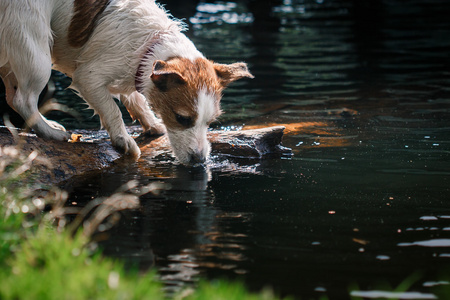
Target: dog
133,50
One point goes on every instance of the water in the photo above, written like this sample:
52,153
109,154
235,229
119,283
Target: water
363,89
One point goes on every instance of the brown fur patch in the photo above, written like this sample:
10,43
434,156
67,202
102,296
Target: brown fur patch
180,95
85,16
233,72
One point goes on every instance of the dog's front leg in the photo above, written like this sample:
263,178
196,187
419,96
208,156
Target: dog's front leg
103,104
139,109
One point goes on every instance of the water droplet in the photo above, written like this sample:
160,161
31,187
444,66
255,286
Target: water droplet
428,218
25,209
383,257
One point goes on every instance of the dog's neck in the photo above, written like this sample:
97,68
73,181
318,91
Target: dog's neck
161,46
139,76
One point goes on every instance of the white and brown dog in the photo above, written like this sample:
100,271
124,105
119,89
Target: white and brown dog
131,49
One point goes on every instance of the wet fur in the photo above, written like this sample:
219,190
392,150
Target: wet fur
84,18
106,47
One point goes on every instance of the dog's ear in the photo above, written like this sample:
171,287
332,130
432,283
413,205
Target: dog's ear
164,77
233,72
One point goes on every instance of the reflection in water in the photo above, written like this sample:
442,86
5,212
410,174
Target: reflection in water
219,13
362,88
392,295
176,229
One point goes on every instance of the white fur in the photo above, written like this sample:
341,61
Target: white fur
206,108
33,35
191,145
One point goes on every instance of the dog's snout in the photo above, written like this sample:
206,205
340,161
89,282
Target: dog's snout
197,158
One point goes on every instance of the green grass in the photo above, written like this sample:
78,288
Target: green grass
51,265
223,290
40,259
10,236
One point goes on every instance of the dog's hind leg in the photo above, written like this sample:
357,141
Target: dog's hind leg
16,97
139,110
25,76
23,89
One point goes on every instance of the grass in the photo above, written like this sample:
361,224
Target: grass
41,258
51,265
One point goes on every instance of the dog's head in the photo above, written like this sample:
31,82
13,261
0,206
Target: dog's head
186,95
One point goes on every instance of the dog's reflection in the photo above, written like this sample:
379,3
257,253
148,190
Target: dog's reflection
191,179
164,222
176,228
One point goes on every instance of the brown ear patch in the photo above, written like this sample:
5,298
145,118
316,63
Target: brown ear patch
232,72
165,77
84,19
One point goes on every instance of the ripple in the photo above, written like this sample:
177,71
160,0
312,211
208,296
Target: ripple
220,13
428,243
392,295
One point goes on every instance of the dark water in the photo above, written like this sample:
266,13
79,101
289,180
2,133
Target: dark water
364,90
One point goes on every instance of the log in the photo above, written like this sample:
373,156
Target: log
64,160
252,143
60,161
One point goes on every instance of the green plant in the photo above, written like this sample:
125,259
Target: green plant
51,265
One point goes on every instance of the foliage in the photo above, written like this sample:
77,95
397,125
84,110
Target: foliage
51,265
12,165
223,290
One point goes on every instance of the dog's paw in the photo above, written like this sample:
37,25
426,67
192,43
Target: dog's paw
60,135
55,125
156,130
51,130
126,145
50,133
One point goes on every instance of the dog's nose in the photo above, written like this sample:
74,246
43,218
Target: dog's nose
197,158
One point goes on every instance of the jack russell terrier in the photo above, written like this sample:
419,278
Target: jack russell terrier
130,49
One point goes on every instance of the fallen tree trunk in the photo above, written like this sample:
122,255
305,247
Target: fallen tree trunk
254,143
63,160
58,161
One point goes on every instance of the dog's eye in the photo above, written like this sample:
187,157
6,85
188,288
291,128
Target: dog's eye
183,120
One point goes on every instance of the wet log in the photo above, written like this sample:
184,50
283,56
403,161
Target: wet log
62,160
252,143
58,161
